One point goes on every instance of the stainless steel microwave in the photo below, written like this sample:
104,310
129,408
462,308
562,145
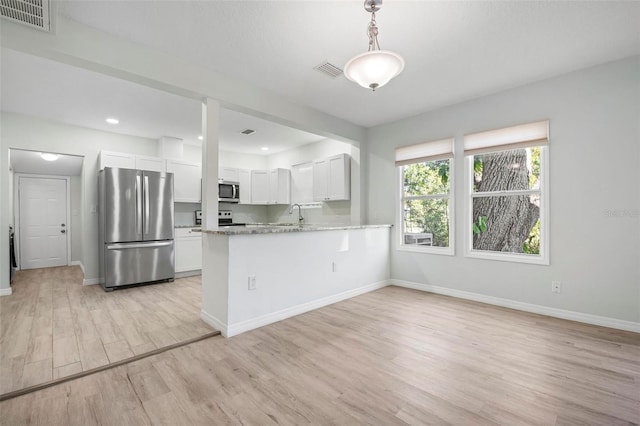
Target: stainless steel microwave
228,192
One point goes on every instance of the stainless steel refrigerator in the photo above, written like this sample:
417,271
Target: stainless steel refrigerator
136,227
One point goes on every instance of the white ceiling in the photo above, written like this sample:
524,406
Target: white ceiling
31,162
54,91
454,50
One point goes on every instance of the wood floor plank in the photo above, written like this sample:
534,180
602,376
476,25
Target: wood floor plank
393,356
52,315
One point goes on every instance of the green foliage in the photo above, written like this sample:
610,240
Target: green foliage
481,226
535,166
532,243
427,215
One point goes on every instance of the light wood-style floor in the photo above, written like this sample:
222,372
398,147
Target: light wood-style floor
394,356
52,326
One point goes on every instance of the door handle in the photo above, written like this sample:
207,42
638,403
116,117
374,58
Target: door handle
146,205
62,231
63,225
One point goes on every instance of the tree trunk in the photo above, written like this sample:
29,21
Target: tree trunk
509,218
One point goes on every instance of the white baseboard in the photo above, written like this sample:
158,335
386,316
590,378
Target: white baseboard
185,274
91,281
5,291
521,306
214,322
78,263
253,323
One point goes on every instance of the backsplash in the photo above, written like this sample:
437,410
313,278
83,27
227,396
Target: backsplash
185,213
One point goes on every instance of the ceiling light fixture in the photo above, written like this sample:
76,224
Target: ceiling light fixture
112,120
199,138
373,68
265,148
48,156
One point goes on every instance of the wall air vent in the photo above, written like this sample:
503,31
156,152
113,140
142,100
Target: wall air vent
33,13
247,131
328,69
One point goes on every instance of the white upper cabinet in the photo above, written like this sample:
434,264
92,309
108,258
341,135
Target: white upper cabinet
259,187
187,181
332,178
270,186
117,159
279,186
152,164
302,183
244,179
130,161
230,174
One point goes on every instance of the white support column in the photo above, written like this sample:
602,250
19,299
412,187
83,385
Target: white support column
5,193
210,120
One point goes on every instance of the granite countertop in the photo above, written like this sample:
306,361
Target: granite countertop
188,226
277,228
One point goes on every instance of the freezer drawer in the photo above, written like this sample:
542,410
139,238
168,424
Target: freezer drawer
133,263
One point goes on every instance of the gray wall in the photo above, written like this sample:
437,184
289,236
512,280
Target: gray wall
19,131
594,156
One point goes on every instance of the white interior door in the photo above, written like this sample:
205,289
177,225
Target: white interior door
43,222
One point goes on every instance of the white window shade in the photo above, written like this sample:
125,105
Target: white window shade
522,136
427,151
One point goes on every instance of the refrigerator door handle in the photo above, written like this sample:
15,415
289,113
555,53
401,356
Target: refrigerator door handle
138,205
146,205
122,246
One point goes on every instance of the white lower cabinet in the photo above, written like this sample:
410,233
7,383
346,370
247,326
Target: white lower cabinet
188,246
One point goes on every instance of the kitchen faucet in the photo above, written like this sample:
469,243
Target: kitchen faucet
300,218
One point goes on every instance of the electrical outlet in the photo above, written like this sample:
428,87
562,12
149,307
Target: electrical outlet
252,283
556,286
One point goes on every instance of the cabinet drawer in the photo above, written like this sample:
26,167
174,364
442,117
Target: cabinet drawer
188,232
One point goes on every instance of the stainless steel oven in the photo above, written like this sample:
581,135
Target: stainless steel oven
228,192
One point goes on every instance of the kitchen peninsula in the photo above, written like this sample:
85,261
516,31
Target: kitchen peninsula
256,275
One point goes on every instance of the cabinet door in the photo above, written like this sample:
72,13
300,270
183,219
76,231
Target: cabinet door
320,180
187,181
282,187
339,177
188,253
229,174
244,178
117,159
150,164
259,187
273,186
302,183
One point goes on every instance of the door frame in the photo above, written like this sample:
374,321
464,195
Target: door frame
16,212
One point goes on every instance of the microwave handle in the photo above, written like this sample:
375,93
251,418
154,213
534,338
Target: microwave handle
234,191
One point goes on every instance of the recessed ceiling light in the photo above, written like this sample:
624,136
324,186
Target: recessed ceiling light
112,120
48,156
199,138
265,148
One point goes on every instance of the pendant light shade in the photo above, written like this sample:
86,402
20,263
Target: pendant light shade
374,69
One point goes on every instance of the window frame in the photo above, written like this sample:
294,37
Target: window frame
400,244
540,259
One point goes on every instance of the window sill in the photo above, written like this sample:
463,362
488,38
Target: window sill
412,248
508,257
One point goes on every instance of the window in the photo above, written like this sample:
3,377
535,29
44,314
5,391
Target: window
426,174
507,203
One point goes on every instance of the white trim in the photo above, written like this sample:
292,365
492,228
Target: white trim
214,322
5,291
91,281
522,306
543,258
77,263
16,211
185,274
400,245
253,323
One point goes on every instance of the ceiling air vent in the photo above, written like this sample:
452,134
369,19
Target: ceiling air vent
33,13
328,69
247,131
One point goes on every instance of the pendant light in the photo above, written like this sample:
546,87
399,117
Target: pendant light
373,68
